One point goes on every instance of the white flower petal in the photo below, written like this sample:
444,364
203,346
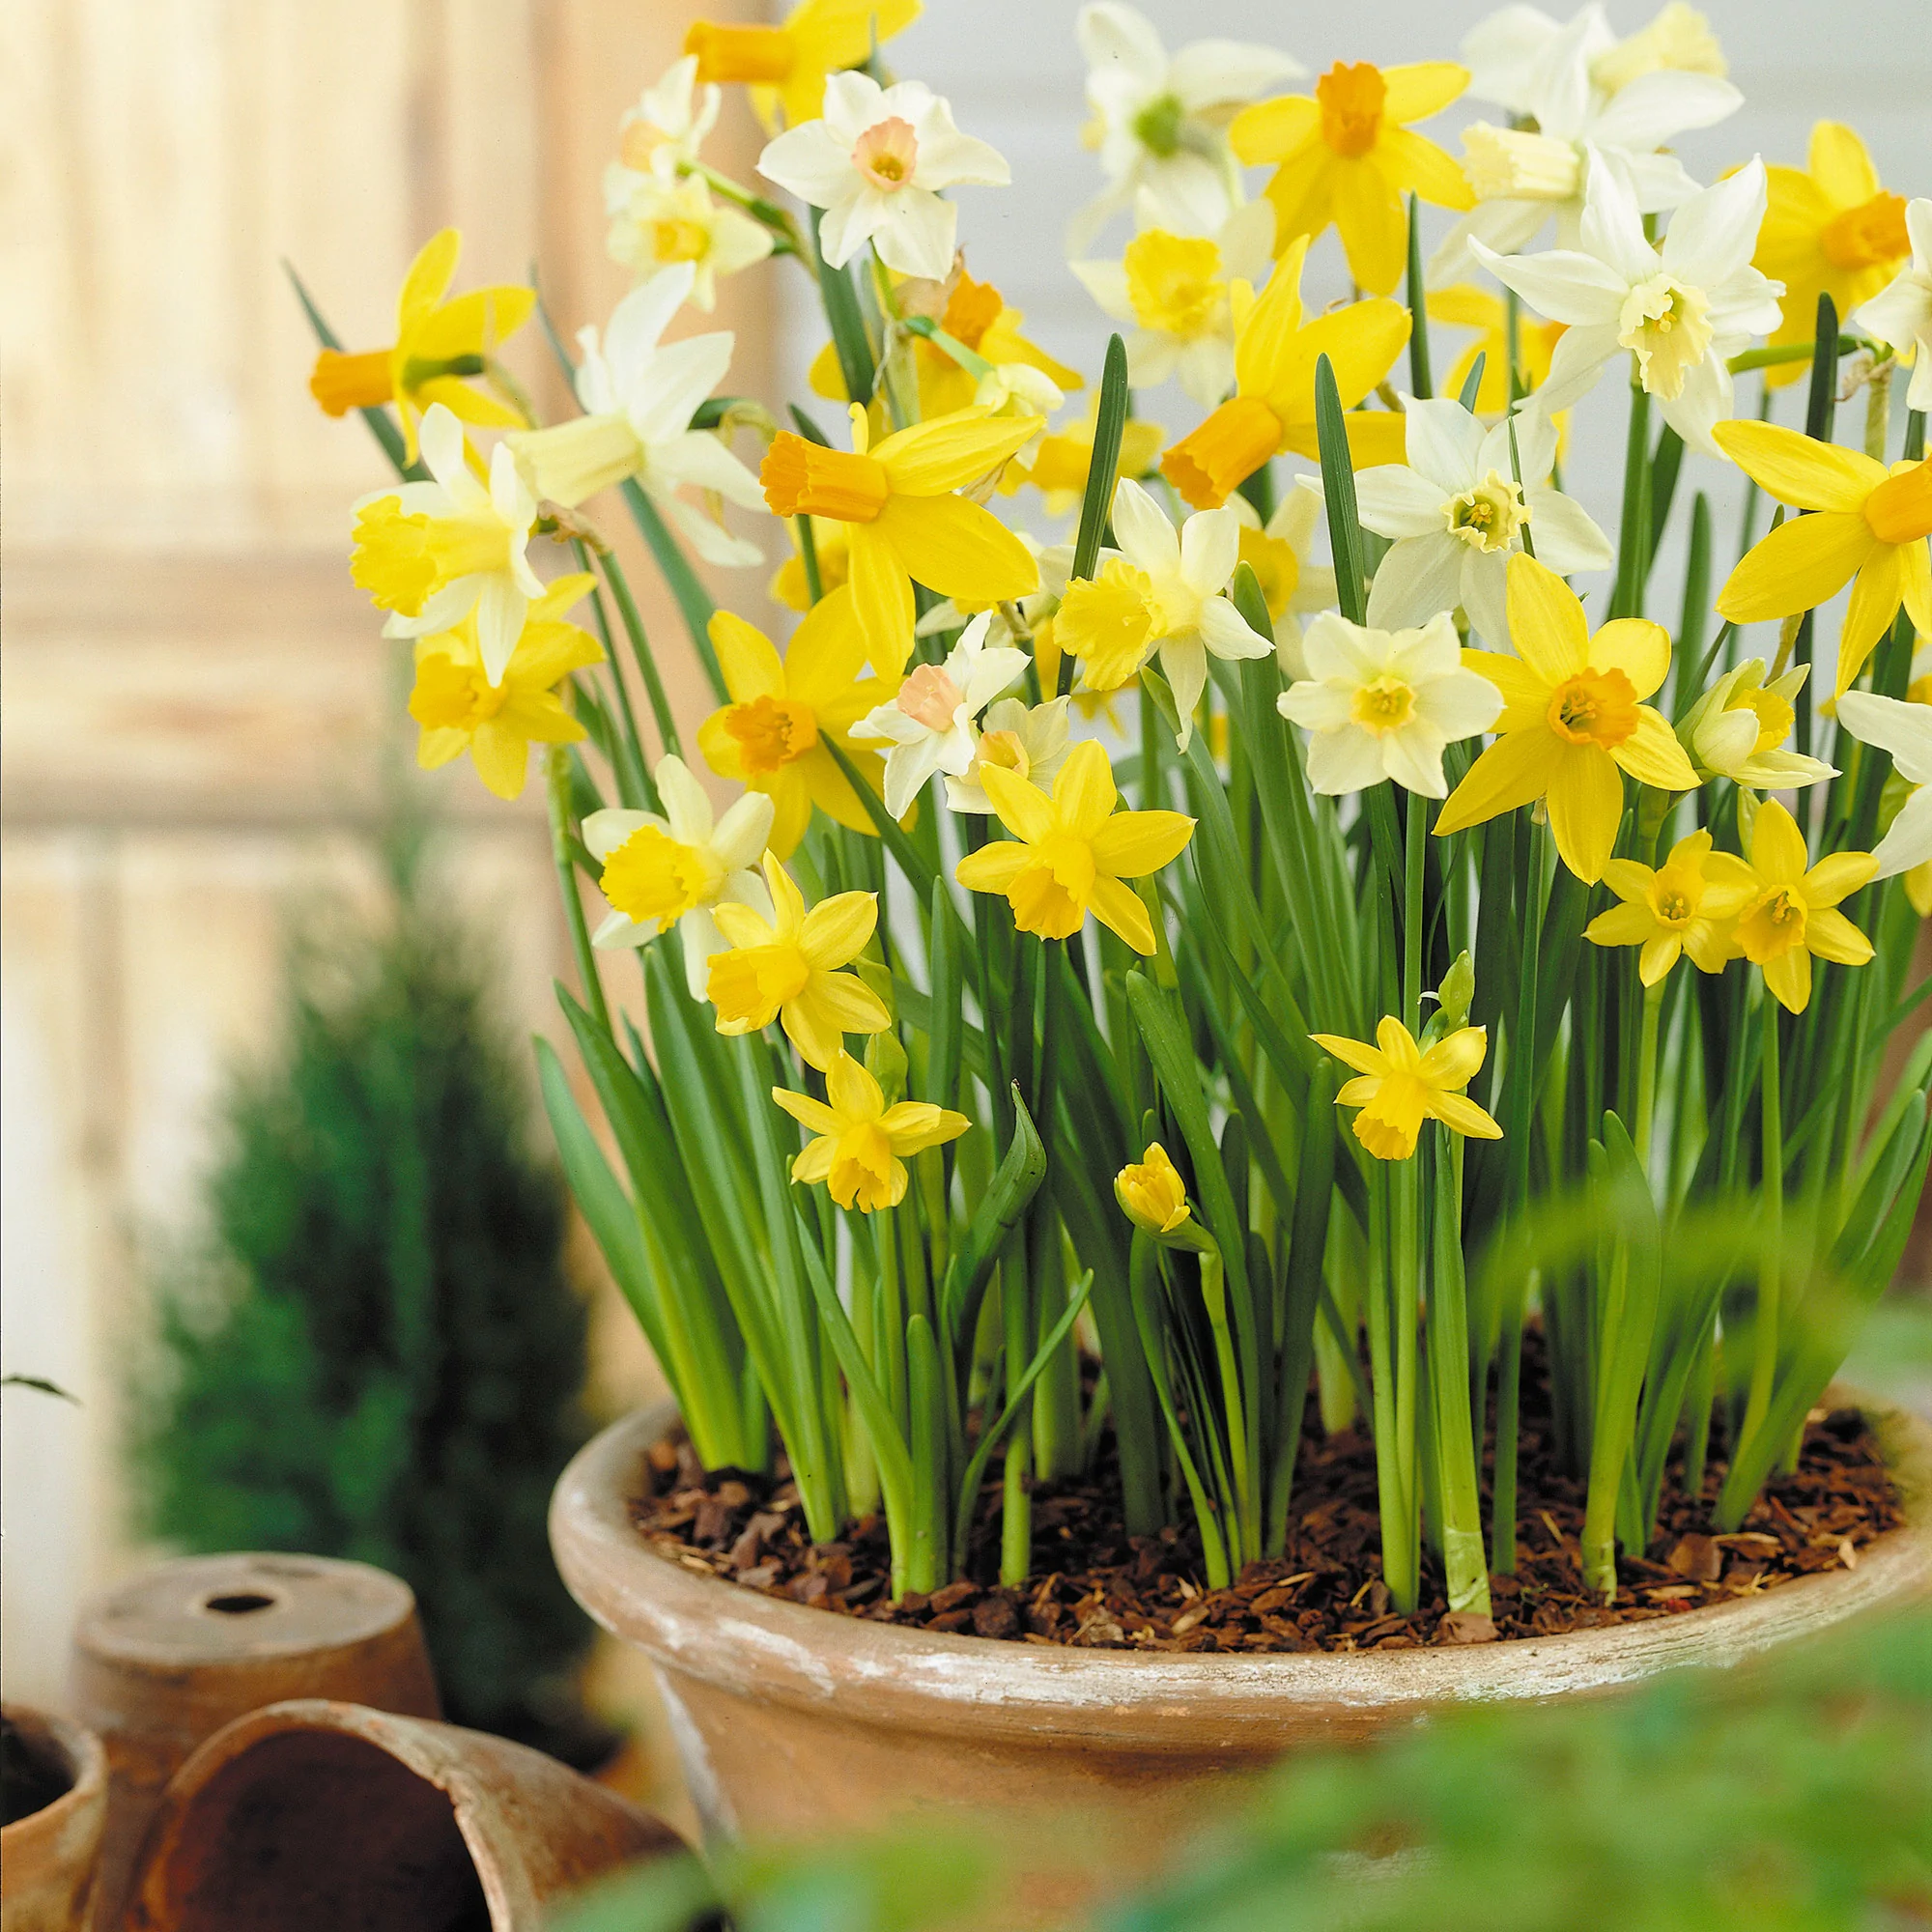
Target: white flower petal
1564,535
631,336
1344,761
1141,528
744,832
1394,500
605,831
1713,235
918,235
1209,74
1646,112
1908,842
1412,757
1462,704
1184,660
1227,633
1484,589
1565,284
1419,577
686,805
1211,547
1893,724
810,162
1443,441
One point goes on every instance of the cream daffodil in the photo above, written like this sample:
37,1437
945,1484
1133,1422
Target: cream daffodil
1671,910
786,968
787,66
1385,705
1871,529
903,520
1737,729
875,163
773,735
1272,410
1904,729
670,869
431,554
1029,741
1900,314
862,1143
1506,51
1175,293
1346,155
1789,912
1457,515
656,223
1159,121
1293,585
1680,311
1160,591
1072,853
460,710
930,724
663,133
1572,722
438,345
1398,1086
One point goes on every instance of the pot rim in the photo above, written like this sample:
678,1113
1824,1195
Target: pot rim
86,1759
753,1644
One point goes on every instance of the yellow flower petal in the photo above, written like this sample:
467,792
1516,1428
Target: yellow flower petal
993,868
1120,908
813,1114
1796,468
948,452
1372,223
1660,953
1270,130
1635,647
1789,978
1586,806
851,1089
1629,925
1869,610
429,276
748,658
1840,165
1024,810
1837,875
1411,163
1133,843
1777,847
1421,88
1515,770
957,548
1084,793
1547,622
1461,1113
1356,1053
882,598
1831,935
1797,566
835,930
814,1162
1456,1061
914,1125
1652,755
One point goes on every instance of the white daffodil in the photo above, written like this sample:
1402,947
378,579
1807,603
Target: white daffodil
1028,741
930,724
1173,291
1383,705
1738,728
670,870
656,223
1160,123
1903,728
1278,553
1682,312
475,543
1506,52
875,165
662,134
1900,314
1162,591
638,400
1523,176
1456,517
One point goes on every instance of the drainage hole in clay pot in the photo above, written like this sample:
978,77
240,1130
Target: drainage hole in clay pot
239,1603
32,1777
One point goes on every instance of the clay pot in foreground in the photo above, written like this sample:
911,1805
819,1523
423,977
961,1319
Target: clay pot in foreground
47,1858
793,1722
313,1816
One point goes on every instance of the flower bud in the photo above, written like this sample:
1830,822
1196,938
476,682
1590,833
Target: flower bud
1456,993
1151,1193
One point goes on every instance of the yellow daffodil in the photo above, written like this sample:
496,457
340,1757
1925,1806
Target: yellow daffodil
1738,728
1345,155
1070,852
903,520
1272,409
1057,464
787,66
438,344
771,735
1789,911
1398,1086
460,710
1829,229
1871,524
789,585
1151,1193
1462,306
861,1145
1572,722
786,968
1675,909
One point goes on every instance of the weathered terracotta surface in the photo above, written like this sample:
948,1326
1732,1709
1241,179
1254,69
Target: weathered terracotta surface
47,1859
793,1721
172,1655
315,1816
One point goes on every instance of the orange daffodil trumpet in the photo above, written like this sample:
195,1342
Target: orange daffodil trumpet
1071,853
1868,529
438,345
1679,907
787,65
862,1143
1398,1086
1344,156
1573,721
1900,314
903,520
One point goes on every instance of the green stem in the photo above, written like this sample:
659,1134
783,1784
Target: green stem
557,791
1633,545
1764,1338
1646,1068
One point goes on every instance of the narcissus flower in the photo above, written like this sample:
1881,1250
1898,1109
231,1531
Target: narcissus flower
790,585
1789,913
430,554
1071,853
1029,741
460,710
1463,306
1738,728
662,134
1272,410
1160,591
1278,553
637,399
861,1142
1871,525
1900,314
655,225
787,65
1829,229
1345,155
1905,731
1681,312
1571,722
877,163
771,735
1057,464
904,520
1384,705
785,968
1398,1086
1675,909
1506,51
438,345
1151,1193
670,870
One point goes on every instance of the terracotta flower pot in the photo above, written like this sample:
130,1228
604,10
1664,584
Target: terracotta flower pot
313,1816
47,1858
793,1722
